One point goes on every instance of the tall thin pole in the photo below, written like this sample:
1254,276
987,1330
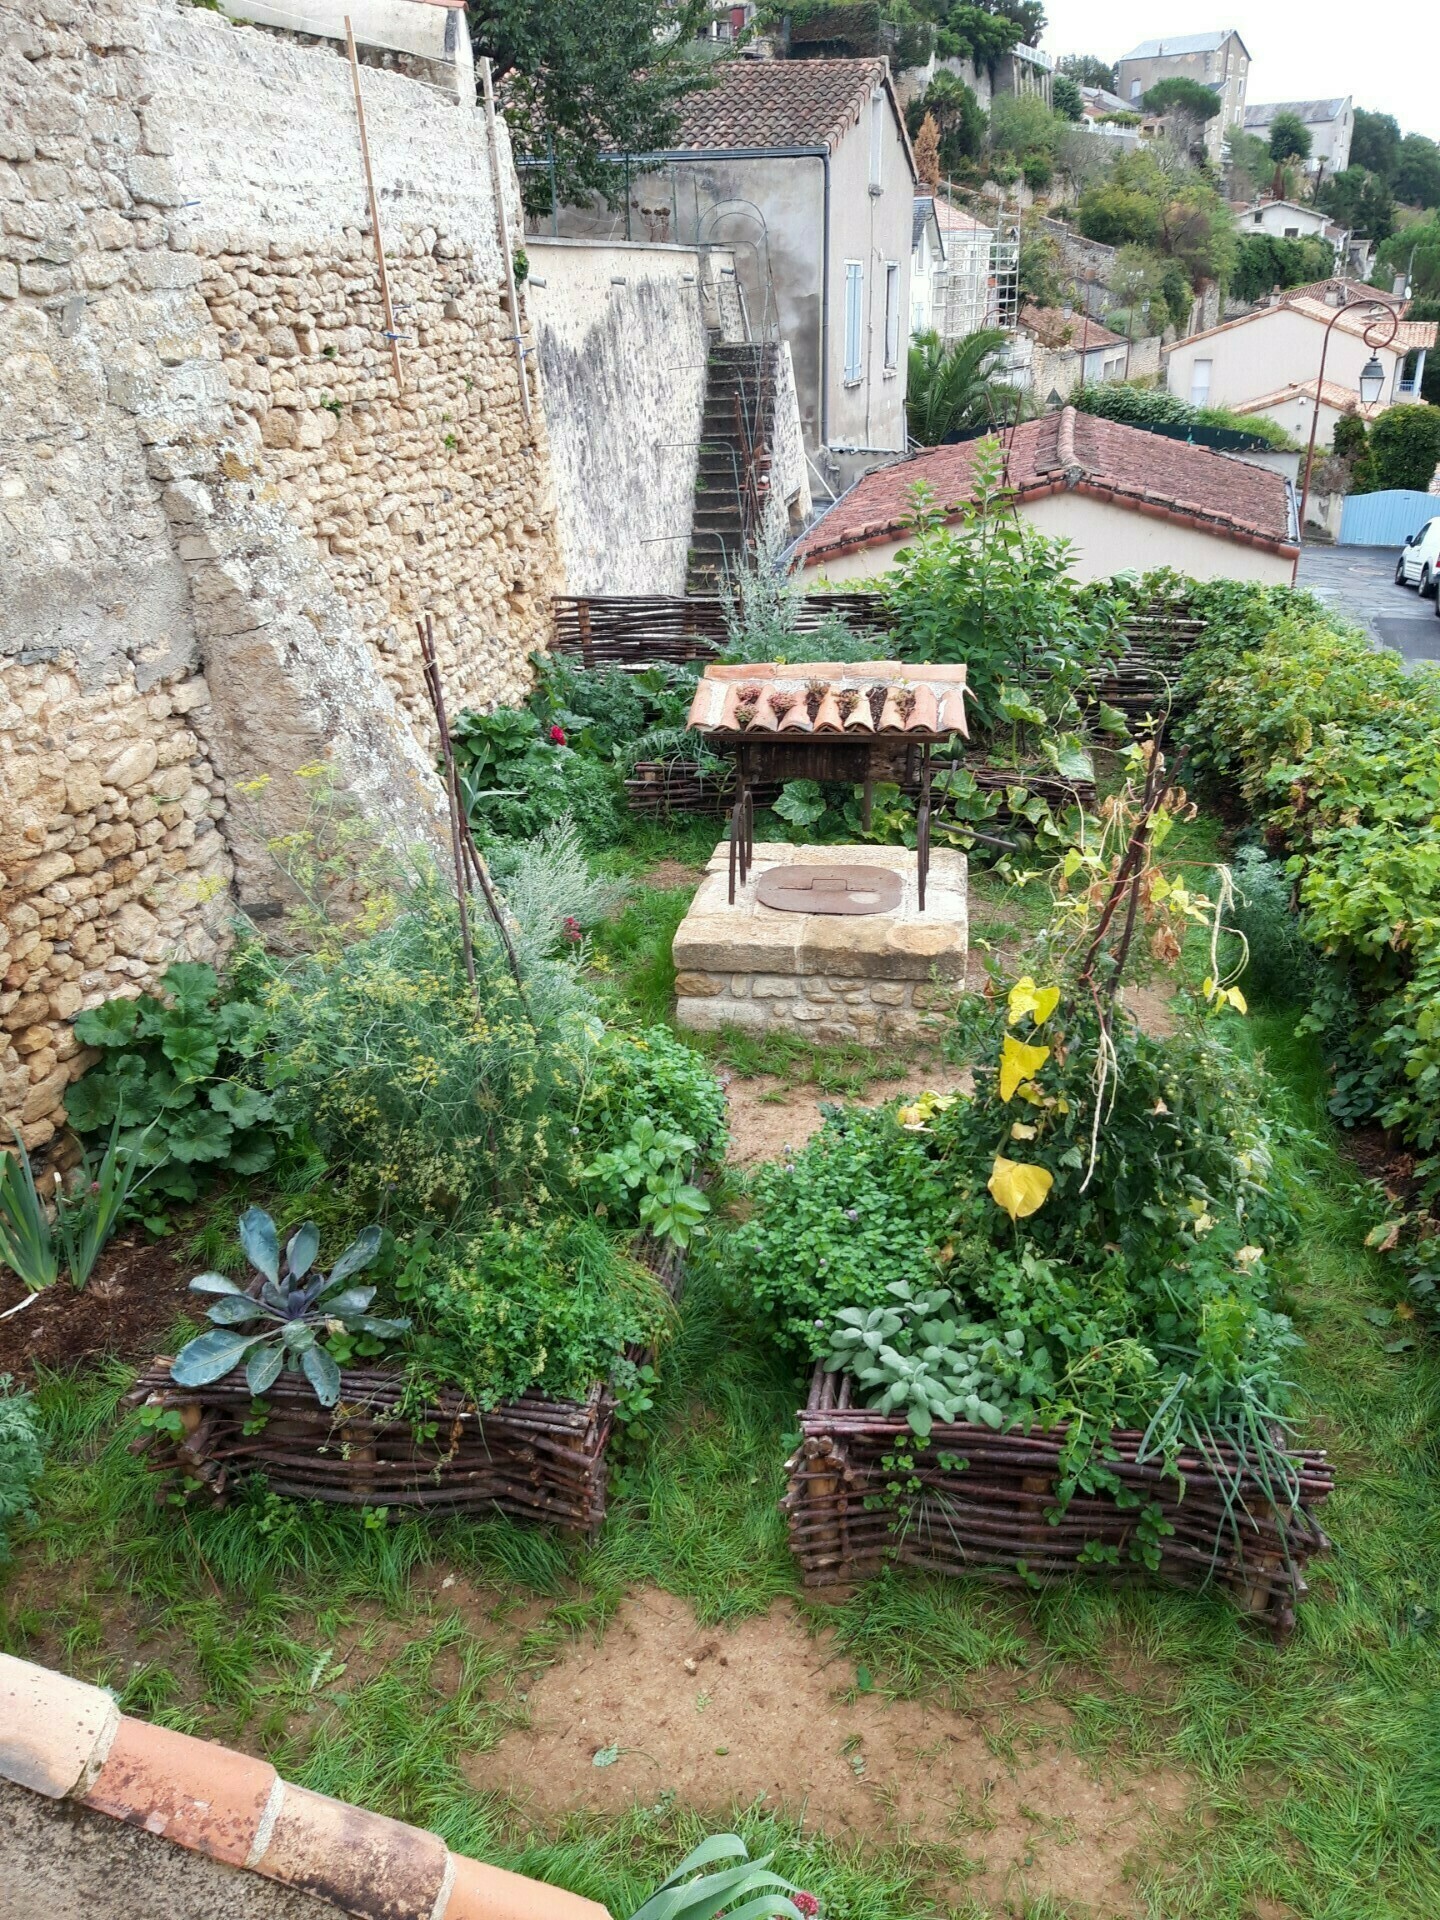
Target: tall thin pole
502,220
1379,315
390,332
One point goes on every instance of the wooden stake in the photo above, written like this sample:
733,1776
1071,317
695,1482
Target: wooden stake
374,213
493,142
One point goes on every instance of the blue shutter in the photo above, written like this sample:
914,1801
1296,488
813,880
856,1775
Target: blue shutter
854,300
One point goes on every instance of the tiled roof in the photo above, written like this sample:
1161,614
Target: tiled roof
1105,459
1352,290
1176,43
1332,394
1409,333
1309,112
68,1741
1052,328
782,103
772,699
955,219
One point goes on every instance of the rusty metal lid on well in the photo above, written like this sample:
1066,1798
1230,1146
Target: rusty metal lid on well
829,889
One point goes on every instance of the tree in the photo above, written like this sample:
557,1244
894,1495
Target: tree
1414,252
1021,124
927,152
1359,201
1089,71
1065,94
1417,171
1289,138
1405,447
1250,164
1118,216
1040,264
589,81
1264,260
958,116
1151,293
1188,98
1375,143
953,387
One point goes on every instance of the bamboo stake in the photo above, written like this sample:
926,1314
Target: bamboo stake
390,332
492,140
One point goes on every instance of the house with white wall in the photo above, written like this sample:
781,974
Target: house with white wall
966,295
1125,498
1329,123
1217,60
1292,220
803,170
1276,349
927,265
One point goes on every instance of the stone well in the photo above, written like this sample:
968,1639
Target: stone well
831,977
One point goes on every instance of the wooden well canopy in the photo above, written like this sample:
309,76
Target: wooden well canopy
854,721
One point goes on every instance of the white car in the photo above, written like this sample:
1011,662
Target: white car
1419,562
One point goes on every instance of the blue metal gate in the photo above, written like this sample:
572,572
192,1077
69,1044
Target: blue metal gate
1386,519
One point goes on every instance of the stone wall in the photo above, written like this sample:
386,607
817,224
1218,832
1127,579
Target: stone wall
621,336
220,515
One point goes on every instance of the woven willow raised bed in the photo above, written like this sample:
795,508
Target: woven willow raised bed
989,1517
536,1459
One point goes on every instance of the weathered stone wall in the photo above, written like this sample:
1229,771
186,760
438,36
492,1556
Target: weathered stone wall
219,513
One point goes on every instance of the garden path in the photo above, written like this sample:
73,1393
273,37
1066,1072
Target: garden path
769,1712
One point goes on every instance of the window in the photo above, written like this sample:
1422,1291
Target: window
854,300
1136,89
1258,218
892,314
877,137
1200,383
1292,233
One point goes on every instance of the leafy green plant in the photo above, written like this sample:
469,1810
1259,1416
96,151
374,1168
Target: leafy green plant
646,1175
22,1458
89,1215
295,1314
177,1077
742,1887
927,1355
27,1245
651,1073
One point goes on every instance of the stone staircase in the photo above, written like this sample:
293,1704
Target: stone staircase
732,483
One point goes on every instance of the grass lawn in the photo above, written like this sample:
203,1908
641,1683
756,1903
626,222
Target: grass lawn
388,1663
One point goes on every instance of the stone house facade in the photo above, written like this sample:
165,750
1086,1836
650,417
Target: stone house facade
1217,60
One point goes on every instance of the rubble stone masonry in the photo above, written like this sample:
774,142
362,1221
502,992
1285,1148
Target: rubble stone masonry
219,514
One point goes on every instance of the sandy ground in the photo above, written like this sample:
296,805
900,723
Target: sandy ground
765,1711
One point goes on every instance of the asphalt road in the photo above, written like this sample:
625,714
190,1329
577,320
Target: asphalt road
1359,582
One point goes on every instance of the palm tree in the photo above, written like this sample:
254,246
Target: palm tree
954,387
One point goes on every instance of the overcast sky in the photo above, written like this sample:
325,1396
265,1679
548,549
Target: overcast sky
1388,58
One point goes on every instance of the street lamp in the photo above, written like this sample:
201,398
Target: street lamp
1372,382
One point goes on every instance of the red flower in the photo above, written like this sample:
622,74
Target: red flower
807,1903
557,734
573,929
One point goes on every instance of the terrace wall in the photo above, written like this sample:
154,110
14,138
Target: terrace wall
219,513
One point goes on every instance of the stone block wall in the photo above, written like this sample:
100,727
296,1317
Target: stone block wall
219,513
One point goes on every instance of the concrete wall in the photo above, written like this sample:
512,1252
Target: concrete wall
1282,219
620,333
432,42
1258,356
1107,540
221,516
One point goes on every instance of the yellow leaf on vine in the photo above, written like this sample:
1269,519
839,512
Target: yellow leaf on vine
1025,997
1021,1132
1018,1188
1017,1063
1236,999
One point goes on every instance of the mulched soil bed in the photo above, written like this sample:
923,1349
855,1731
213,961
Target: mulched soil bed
135,1296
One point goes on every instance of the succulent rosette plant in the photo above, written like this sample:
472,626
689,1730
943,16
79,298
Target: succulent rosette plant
279,1323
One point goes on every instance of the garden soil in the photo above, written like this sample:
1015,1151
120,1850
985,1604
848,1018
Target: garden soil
766,1711
135,1296
768,1114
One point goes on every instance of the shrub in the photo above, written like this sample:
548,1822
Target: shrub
22,1458
650,1074
1404,449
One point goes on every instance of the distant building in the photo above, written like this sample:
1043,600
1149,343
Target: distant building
1069,350
1216,60
1293,220
1330,124
1126,498
927,265
966,295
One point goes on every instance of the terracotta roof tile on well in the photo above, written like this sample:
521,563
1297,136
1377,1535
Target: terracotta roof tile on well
779,103
1147,472
66,1740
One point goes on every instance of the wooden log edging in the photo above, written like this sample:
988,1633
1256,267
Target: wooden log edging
536,1459
989,1517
